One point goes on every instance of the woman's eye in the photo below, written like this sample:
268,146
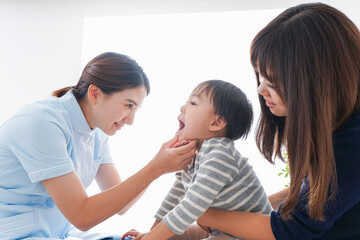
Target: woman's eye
269,85
130,106
261,81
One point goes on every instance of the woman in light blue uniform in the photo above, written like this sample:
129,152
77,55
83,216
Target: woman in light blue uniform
51,150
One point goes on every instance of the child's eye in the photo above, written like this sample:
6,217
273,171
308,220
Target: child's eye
192,103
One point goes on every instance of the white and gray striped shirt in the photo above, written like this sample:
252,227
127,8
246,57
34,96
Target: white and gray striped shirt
220,178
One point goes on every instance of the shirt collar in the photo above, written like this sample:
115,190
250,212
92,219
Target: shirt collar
223,140
77,117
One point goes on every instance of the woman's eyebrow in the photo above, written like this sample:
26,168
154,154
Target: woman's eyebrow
132,101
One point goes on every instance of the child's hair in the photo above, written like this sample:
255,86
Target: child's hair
230,103
111,72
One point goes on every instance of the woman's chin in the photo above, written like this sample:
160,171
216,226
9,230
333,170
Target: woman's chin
110,132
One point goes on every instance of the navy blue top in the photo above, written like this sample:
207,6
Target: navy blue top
342,216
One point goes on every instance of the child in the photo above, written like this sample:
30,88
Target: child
216,114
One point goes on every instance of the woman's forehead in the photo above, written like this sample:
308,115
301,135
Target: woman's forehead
266,73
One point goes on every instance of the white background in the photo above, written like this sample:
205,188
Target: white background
179,43
177,52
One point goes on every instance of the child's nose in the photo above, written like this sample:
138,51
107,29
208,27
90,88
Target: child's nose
182,108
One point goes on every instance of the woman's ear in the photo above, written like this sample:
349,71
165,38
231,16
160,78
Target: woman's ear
218,124
93,94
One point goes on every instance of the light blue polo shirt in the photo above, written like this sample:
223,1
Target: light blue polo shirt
45,139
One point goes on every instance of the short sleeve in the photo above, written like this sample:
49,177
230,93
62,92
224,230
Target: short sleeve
40,144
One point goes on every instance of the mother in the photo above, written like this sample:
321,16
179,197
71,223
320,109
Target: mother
307,65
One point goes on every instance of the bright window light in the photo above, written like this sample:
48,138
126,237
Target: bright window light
177,52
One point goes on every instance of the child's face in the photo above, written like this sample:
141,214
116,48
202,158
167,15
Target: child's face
196,117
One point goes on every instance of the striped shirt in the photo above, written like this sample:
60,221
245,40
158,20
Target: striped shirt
219,178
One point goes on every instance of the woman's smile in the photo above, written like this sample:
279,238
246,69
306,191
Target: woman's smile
118,126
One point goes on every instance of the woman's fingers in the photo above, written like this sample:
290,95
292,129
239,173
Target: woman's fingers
174,159
186,147
171,142
180,143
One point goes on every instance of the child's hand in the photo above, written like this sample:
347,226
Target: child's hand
133,233
139,237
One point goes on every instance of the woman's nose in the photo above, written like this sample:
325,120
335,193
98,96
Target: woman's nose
129,119
262,89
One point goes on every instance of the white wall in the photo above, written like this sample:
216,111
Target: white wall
177,51
41,49
40,40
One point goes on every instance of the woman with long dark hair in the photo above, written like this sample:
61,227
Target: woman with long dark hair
307,66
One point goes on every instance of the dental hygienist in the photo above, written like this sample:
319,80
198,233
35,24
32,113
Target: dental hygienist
51,150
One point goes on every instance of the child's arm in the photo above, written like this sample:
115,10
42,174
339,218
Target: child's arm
155,224
137,234
172,199
176,193
160,232
209,181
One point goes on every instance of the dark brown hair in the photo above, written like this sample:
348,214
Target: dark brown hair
311,55
111,72
230,103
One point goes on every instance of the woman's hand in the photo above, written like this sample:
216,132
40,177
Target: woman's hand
84,212
244,225
171,159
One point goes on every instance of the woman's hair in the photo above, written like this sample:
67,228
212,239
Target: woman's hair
230,103
111,72
311,55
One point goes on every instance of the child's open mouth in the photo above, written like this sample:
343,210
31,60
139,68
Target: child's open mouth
181,124
181,127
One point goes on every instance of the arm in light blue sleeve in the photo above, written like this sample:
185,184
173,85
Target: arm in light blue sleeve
41,144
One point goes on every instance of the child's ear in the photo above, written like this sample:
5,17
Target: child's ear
93,93
218,124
